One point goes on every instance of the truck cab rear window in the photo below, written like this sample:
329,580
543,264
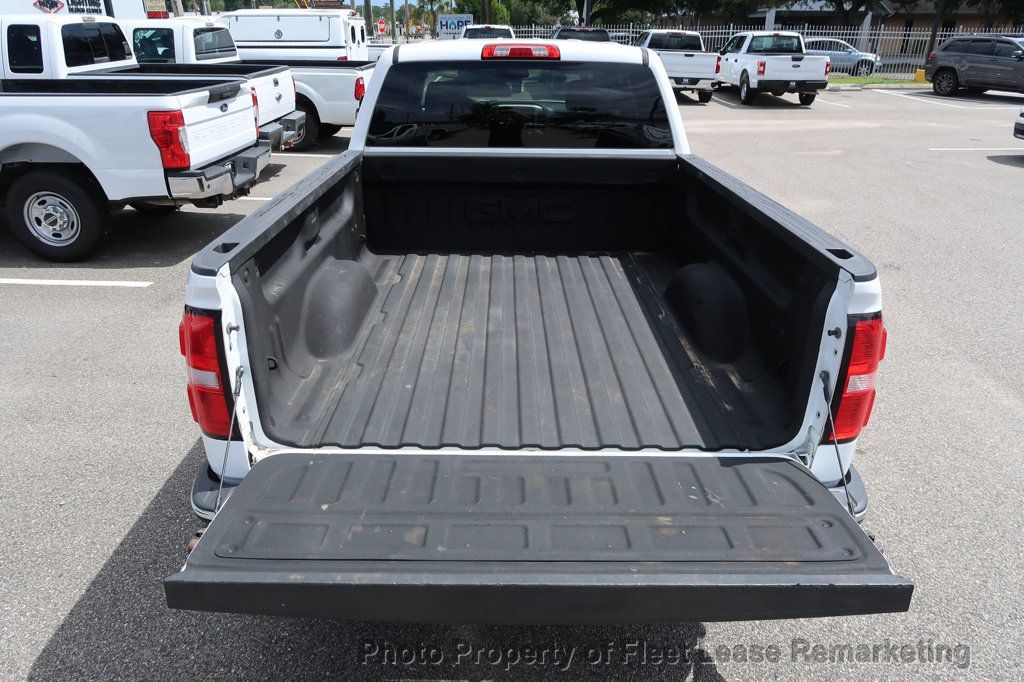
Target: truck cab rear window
214,43
24,49
674,41
93,43
540,105
154,45
775,45
487,32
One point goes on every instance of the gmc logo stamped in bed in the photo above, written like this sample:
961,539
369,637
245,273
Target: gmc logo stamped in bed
505,209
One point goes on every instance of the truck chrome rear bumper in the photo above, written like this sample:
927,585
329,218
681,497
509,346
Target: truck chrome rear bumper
223,178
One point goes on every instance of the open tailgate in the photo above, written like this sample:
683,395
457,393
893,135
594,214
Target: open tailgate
535,538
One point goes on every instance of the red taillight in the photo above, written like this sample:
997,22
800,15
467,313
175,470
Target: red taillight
256,110
342,59
519,51
360,89
158,15
167,128
828,68
931,56
207,392
854,405
760,68
718,64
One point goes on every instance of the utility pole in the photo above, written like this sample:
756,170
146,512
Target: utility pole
585,19
406,22
394,36
368,10
940,6
178,9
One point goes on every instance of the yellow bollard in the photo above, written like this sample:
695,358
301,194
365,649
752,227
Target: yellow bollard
919,76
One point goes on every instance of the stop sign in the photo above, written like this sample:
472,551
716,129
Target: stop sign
381,26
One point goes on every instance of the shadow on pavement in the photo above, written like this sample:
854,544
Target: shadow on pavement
122,629
1015,160
763,99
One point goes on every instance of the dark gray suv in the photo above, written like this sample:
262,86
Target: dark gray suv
977,63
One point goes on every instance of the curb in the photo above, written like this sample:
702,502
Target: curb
855,87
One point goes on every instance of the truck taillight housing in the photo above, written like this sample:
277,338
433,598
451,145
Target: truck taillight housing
256,111
208,392
520,51
167,128
931,56
828,68
151,14
866,347
718,64
342,58
760,68
360,89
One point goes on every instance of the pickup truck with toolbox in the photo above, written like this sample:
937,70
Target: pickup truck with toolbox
482,367
326,94
775,62
73,148
305,34
688,65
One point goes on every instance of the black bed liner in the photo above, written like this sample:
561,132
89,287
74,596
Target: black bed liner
510,352
535,538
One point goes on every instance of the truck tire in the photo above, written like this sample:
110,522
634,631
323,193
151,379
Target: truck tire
945,82
328,130
311,131
59,216
864,68
704,96
807,98
152,207
747,94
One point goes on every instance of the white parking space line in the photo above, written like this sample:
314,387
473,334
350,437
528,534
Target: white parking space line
303,155
835,104
76,282
254,198
947,104
976,149
722,101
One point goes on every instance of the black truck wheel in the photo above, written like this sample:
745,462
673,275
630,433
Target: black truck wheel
746,93
310,133
328,130
807,98
59,216
704,96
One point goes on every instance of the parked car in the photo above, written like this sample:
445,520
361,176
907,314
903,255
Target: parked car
72,148
1018,125
323,94
486,31
682,53
298,34
775,62
845,57
977,63
589,33
480,368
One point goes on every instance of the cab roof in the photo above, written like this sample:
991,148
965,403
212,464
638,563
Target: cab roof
470,49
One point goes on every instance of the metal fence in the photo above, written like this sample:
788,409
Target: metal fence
902,51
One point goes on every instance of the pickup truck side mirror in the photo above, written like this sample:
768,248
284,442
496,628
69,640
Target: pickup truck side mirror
722,51
1017,54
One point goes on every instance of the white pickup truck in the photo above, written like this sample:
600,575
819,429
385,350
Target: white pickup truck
682,53
775,62
326,94
71,148
304,34
481,367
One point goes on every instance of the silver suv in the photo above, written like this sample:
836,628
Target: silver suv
845,57
977,63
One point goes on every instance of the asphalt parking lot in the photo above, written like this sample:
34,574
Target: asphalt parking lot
98,450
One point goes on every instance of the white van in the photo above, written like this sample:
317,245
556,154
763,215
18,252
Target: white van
306,34
119,9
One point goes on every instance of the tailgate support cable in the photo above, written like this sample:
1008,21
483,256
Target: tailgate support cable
231,431
832,428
